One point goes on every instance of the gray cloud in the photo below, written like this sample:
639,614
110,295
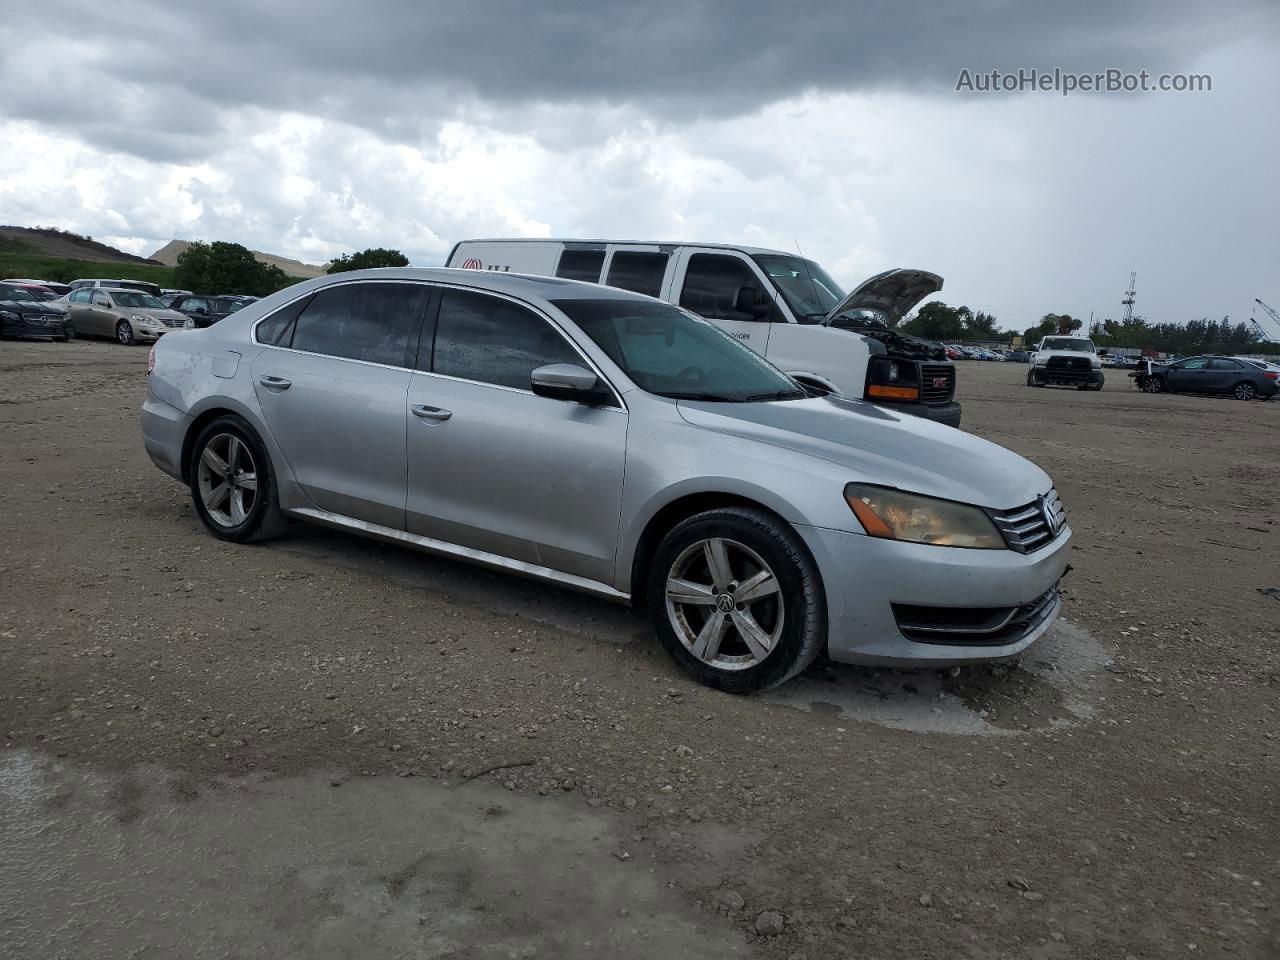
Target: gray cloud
400,69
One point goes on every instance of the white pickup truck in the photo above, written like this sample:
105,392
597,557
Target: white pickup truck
1067,362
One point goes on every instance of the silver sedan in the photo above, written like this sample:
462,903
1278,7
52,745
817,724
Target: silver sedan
616,444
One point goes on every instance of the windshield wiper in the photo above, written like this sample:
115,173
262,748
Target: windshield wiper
776,395
711,397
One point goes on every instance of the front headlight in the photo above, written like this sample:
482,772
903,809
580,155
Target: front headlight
141,318
894,515
189,324
892,379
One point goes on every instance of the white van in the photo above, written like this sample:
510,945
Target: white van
779,304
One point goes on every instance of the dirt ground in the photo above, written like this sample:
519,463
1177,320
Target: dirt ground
328,747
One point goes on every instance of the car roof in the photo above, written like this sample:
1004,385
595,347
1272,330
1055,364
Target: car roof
512,284
640,243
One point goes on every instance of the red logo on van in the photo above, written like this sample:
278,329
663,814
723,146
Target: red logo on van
471,263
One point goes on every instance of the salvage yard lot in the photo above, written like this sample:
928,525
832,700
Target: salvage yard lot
331,700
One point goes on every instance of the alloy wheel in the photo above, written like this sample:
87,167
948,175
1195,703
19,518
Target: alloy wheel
724,604
228,480
124,332
1245,391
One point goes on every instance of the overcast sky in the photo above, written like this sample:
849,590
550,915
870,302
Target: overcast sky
310,129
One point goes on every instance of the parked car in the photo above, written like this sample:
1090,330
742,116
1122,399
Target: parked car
204,311
782,306
1019,356
129,316
1260,364
1239,378
61,289
142,285
22,314
39,291
1066,361
492,417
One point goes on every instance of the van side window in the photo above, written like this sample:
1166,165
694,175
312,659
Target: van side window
374,322
491,340
581,265
638,272
711,284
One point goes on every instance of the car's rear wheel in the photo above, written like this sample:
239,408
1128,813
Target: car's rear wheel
1244,391
737,600
124,333
232,485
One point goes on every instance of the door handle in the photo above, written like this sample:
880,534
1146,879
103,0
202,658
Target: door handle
435,414
275,383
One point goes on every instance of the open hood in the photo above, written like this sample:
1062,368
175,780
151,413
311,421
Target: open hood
892,293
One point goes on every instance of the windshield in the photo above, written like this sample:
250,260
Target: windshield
673,354
1068,344
231,306
13,293
131,298
809,292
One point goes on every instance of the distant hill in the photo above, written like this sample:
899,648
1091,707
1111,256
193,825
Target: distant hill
169,253
48,242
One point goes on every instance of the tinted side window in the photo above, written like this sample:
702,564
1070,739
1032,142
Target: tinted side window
79,296
1219,363
375,322
278,328
638,272
711,285
494,341
1196,363
581,265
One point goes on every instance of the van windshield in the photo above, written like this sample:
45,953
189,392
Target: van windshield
675,354
809,291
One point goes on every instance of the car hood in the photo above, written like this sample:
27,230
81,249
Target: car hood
882,446
40,307
160,313
892,293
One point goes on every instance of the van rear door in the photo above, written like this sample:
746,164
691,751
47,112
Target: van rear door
707,282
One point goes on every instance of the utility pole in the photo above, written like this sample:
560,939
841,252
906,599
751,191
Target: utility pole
1130,296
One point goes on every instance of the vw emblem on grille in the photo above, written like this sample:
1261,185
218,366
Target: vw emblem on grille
1052,512
724,603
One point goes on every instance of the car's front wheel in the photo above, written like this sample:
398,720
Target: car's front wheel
1154,385
1245,391
124,333
232,485
737,600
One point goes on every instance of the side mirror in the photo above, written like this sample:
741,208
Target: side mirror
566,381
748,301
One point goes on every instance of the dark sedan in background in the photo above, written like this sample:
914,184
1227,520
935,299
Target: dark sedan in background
22,314
1240,379
206,311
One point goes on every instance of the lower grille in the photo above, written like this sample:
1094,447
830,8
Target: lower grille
169,322
974,626
937,383
1033,525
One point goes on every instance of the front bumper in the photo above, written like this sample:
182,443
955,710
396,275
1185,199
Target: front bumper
945,413
864,577
35,326
1067,377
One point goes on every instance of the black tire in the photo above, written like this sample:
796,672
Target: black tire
124,333
800,604
1244,390
263,519
70,332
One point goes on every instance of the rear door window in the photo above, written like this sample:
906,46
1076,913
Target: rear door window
638,272
373,322
581,265
1220,363
492,340
711,284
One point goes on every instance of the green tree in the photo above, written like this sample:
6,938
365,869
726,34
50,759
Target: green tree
938,321
366,259
220,267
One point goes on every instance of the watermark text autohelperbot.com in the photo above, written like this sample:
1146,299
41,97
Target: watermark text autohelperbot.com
1112,80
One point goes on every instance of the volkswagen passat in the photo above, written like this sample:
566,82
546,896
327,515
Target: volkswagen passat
612,443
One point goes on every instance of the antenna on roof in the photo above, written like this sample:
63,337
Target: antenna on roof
798,250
